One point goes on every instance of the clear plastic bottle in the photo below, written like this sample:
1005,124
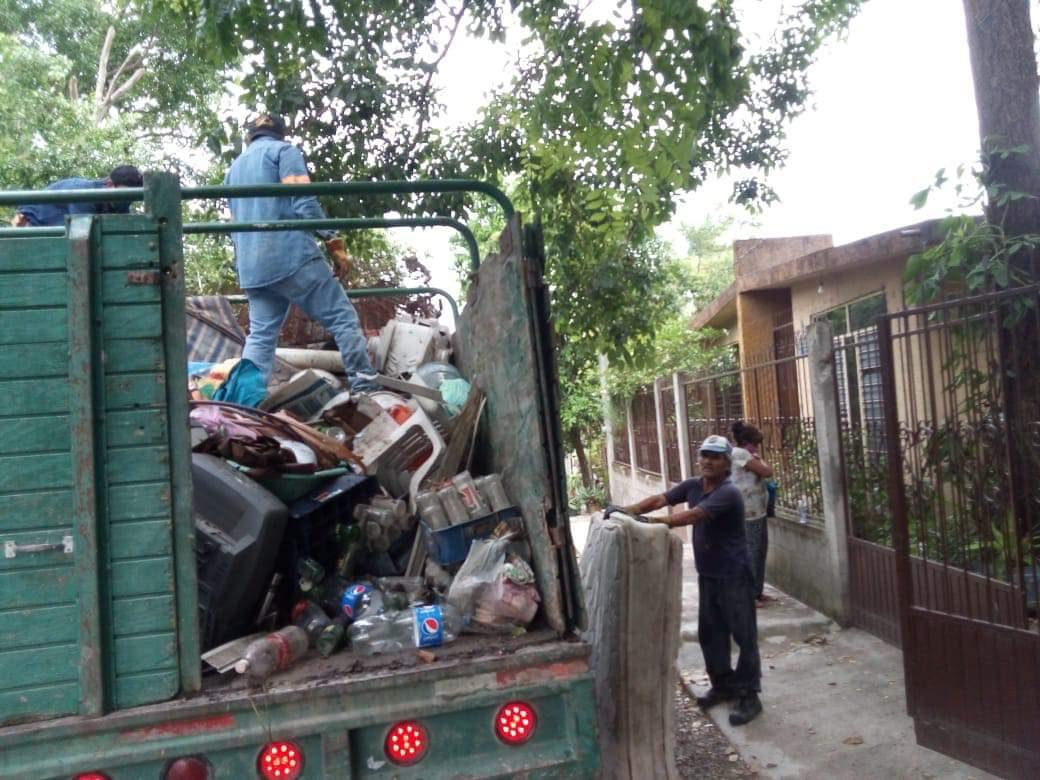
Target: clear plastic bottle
272,653
431,510
428,626
453,506
490,486
803,511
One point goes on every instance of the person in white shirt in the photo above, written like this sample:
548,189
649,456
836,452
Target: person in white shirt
749,474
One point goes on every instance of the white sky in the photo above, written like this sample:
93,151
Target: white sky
893,103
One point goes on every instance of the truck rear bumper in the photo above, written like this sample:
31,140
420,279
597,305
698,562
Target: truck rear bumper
340,725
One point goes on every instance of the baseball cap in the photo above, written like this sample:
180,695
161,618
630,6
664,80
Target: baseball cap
270,125
715,443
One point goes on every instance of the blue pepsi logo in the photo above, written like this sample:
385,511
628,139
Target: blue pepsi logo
431,625
360,589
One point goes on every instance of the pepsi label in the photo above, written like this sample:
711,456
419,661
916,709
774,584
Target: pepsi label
352,601
429,626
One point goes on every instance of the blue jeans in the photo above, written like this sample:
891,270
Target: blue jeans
315,290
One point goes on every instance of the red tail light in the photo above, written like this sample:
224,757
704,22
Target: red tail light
406,743
91,776
515,722
280,761
188,768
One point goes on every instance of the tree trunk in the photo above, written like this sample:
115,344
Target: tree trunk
1007,95
583,460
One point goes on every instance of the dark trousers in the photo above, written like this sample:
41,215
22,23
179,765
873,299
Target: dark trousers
727,611
758,546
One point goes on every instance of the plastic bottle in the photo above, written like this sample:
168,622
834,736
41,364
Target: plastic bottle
431,510
803,511
311,618
272,653
351,548
428,626
331,638
453,506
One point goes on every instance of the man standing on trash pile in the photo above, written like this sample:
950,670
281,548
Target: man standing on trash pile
727,597
53,214
278,269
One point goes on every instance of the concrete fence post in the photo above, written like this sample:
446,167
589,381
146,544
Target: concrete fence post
827,415
662,441
682,427
631,435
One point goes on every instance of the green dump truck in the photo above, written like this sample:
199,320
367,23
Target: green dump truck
100,672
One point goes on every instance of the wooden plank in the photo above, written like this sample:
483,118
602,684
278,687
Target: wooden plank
21,589
35,396
35,289
22,436
52,700
134,391
118,287
130,251
137,502
128,355
140,538
143,614
33,326
144,426
33,361
35,472
39,665
26,560
35,510
146,688
131,321
145,653
37,626
127,224
136,464
33,254
146,577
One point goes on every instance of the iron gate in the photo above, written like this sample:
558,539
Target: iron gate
961,386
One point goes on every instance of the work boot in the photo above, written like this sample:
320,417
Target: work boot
748,708
714,696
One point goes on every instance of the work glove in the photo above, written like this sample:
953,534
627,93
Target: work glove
338,255
611,509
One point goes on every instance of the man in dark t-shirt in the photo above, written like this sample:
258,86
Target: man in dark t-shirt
715,509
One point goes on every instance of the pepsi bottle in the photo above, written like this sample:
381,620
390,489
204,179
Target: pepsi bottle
416,627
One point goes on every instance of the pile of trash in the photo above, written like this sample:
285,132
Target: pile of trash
329,521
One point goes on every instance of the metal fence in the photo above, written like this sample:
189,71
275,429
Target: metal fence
622,452
644,432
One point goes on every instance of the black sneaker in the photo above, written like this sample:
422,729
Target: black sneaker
748,708
714,696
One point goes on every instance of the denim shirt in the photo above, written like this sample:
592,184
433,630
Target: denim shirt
266,258
53,214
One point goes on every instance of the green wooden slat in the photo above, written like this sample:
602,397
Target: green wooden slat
39,666
128,224
140,538
53,700
132,391
146,688
145,426
26,560
33,472
37,396
137,464
117,288
126,355
135,502
22,436
33,254
19,361
130,251
146,653
33,326
142,578
42,625
35,510
20,589
143,614
130,321
35,289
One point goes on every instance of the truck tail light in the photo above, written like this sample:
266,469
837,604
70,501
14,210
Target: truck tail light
91,776
406,744
280,761
188,768
515,722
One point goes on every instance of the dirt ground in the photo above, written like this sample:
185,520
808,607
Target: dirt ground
701,750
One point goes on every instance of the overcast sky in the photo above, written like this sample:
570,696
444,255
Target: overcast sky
893,103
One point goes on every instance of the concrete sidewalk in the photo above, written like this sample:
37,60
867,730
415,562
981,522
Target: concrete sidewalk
834,699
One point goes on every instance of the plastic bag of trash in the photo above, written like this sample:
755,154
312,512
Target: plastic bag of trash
495,589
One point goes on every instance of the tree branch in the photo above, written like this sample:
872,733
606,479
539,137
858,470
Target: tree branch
102,72
116,96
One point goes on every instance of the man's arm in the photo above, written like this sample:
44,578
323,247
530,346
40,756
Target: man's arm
759,467
292,169
646,505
